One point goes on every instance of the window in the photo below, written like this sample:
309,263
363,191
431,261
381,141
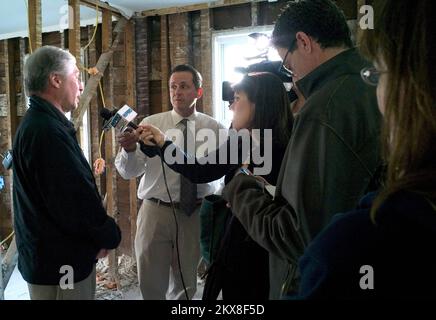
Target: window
230,50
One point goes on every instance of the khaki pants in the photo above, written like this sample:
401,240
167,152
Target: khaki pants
83,290
156,254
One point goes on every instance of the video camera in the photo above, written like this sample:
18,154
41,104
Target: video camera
263,66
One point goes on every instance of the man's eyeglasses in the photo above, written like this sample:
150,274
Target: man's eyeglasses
371,75
283,69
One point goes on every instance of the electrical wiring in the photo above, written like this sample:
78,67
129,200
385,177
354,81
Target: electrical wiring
7,238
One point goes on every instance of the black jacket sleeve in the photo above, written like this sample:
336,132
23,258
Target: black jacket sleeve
201,170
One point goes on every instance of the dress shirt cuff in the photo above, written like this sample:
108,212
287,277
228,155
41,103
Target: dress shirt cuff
126,154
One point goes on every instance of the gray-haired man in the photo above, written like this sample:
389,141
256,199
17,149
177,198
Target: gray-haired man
60,224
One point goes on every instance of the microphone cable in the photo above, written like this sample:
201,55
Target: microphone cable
108,115
175,219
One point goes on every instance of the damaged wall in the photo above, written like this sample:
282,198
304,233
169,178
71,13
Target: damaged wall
158,43
118,71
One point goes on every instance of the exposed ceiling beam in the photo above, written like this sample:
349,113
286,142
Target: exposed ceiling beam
101,5
195,7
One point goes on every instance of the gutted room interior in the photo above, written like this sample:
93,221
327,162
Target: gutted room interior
125,51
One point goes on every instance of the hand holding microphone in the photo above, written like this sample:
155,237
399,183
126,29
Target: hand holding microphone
151,135
121,121
128,139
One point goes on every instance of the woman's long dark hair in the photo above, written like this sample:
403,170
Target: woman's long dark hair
404,41
272,108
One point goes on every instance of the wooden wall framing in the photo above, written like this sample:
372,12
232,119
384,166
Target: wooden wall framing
172,36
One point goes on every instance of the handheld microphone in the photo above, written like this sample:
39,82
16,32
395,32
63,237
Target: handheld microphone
7,159
121,120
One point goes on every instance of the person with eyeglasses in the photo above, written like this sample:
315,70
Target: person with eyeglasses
385,248
334,148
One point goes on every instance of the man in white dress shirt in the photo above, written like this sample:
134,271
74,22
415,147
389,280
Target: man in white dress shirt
155,242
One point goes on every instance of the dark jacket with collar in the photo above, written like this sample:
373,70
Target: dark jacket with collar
58,214
332,153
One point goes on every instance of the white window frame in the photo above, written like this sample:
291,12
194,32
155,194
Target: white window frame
219,40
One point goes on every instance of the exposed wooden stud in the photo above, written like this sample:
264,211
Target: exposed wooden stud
74,29
74,40
10,49
63,39
23,102
206,60
165,62
110,145
11,89
92,84
35,23
129,39
254,13
8,264
94,108
106,39
195,7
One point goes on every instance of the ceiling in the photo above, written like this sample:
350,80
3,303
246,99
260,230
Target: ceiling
13,14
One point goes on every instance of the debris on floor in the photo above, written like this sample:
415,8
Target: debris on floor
107,288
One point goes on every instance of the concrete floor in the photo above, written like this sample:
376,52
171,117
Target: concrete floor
17,289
